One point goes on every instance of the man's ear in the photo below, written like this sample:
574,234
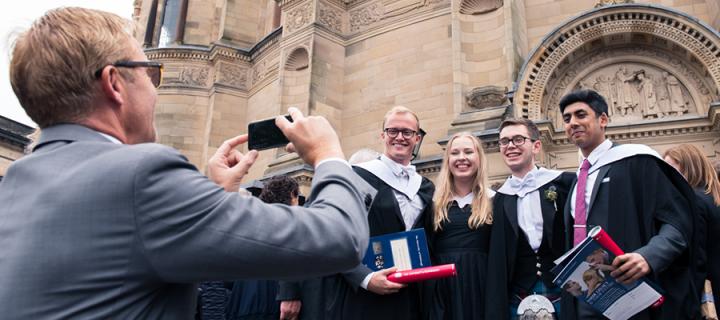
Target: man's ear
604,120
112,85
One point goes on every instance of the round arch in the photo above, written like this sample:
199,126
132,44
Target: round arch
646,38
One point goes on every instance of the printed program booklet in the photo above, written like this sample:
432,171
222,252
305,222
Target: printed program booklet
404,250
408,251
585,270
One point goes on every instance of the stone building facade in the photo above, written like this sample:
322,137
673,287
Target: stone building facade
14,140
460,64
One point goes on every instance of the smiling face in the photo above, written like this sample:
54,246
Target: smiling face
519,158
399,148
583,127
463,159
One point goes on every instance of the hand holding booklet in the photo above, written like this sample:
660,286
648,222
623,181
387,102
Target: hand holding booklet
584,272
408,251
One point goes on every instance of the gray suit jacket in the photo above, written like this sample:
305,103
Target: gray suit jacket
91,229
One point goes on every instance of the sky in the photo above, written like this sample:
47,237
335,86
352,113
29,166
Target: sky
19,17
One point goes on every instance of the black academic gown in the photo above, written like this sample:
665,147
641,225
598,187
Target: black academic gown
503,264
631,199
457,298
710,215
348,301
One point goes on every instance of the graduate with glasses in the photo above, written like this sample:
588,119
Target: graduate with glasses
528,228
403,202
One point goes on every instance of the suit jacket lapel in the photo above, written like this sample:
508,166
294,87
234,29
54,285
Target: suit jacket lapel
601,175
511,212
569,221
548,213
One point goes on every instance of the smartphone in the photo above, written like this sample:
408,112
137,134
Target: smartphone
264,134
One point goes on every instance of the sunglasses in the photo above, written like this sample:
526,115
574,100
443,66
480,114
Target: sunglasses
154,69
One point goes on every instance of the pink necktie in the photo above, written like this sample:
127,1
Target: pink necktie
580,230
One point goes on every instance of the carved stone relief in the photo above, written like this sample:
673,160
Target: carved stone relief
298,17
190,77
602,3
479,6
232,75
330,18
487,96
689,55
633,90
363,17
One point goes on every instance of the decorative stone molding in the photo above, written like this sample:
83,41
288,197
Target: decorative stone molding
702,44
487,96
476,7
330,18
298,18
231,75
188,77
603,3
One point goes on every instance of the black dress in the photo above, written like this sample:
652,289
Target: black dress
462,296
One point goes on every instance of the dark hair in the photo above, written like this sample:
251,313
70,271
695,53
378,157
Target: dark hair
592,98
279,189
531,127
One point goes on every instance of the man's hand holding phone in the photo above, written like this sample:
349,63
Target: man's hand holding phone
313,138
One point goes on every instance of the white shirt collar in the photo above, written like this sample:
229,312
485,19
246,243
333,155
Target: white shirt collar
533,180
598,152
109,137
465,200
397,169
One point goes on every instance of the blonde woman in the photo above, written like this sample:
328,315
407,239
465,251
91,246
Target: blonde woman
700,174
460,232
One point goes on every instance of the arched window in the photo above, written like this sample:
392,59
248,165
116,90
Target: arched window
172,25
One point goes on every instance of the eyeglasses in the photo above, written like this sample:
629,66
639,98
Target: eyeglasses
406,133
154,69
516,140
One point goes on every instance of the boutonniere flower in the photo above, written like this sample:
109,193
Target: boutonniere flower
551,195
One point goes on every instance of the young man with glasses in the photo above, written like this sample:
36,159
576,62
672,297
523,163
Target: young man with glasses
403,202
99,222
642,203
527,234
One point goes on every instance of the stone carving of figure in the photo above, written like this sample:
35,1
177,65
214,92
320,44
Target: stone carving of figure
676,101
648,97
627,94
603,85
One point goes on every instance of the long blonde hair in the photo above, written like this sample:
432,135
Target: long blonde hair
481,205
696,168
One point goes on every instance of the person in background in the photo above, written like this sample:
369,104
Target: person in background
460,231
363,155
100,222
699,173
255,299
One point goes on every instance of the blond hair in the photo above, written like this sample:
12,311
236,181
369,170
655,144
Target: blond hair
696,168
481,205
400,110
53,64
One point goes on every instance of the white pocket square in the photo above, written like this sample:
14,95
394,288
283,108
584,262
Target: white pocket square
607,179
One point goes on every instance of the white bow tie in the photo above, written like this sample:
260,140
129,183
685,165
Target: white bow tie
523,186
406,171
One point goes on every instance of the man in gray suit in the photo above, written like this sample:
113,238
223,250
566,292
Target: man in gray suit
101,223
